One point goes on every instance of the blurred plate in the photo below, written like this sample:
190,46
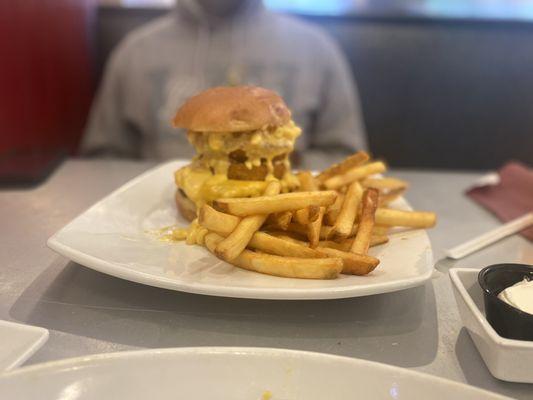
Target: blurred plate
18,342
113,237
208,373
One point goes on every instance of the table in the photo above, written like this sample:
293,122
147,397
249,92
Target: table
88,312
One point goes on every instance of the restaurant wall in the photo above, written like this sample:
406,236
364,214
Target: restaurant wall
435,93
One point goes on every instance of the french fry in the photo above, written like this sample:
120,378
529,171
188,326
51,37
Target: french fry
289,267
353,264
384,184
380,230
345,220
313,229
325,231
307,182
224,224
243,207
306,215
333,210
236,242
376,240
314,213
290,236
282,247
352,161
354,174
411,219
279,220
284,219
301,216
217,221
361,242
390,188
298,229
345,245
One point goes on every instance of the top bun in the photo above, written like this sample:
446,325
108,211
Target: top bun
232,109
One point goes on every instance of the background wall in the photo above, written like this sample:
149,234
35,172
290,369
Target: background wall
435,93
443,94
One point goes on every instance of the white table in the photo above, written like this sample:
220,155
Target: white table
88,312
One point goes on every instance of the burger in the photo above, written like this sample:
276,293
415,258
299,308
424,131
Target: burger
243,136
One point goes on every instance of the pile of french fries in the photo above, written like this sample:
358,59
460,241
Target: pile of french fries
318,232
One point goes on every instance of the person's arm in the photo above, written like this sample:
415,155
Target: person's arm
107,132
339,125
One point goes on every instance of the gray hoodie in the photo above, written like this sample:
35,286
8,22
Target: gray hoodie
158,66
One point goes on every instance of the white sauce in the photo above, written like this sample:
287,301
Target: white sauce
520,296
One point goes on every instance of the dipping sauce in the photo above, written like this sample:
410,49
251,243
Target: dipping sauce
520,296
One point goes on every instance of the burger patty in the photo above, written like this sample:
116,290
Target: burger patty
239,171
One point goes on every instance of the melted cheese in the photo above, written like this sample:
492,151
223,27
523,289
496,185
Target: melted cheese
206,179
170,234
201,186
265,143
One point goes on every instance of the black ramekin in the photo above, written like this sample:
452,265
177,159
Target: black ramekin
507,320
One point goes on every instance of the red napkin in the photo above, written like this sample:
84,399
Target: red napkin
512,197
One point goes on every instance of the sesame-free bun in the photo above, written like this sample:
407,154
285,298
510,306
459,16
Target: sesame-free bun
186,206
232,109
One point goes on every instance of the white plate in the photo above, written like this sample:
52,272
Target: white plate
111,237
18,342
507,359
208,373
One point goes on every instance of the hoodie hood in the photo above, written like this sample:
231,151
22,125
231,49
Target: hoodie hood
192,12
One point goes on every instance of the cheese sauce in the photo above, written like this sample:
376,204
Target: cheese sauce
206,178
169,234
213,147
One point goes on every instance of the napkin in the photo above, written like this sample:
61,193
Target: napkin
511,196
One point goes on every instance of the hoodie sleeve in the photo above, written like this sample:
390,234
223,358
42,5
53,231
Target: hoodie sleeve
339,123
107,132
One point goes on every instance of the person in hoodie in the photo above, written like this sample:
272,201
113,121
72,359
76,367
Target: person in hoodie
205,43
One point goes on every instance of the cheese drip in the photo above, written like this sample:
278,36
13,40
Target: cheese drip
260,146
206,178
